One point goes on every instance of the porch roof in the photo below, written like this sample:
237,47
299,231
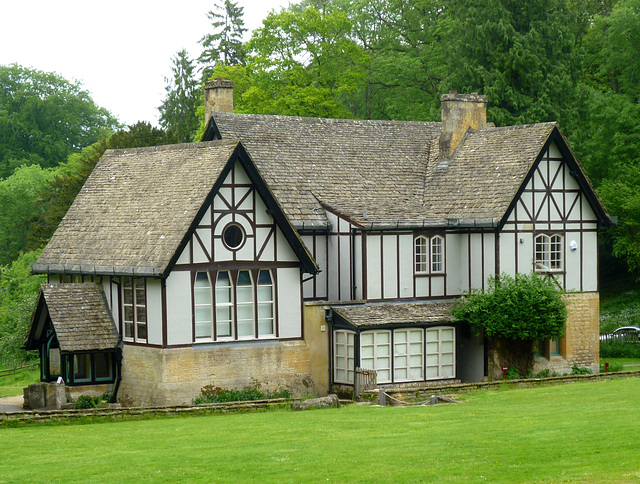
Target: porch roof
407,314
80,317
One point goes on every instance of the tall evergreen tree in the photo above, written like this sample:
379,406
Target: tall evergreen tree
178,110
225,44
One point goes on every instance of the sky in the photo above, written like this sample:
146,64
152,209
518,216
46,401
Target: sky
119,50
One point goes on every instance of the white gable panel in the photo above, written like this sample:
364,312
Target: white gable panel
525,252
225,193
285,252
185,255
199,254
332,267
453,262
508,244
437,286
556,181
572,204
477,261
261,215
422,287
289,303
589,252
554,152
573,261
570,181
265,243
241,176
587,211
179,330
243,197
206,220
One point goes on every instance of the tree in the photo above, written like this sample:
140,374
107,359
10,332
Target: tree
305,63
178,110
225,44
18,294
20,205
44,118
519,310
520,54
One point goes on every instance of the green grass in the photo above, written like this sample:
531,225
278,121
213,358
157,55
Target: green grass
628,364
12,385
581,432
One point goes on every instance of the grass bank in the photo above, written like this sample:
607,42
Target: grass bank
12,384
584,432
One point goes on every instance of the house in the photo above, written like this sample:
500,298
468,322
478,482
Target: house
287,252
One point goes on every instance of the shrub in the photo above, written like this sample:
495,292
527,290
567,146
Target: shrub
619,349
211,394
613,366
527,307
87,401
576,370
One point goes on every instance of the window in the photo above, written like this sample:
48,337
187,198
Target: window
548,254
440,353
82,367
437,254
134,309
202,306
266,315
408,355
224,305
343,356
375,353
233,236
547,348
243,305
421,255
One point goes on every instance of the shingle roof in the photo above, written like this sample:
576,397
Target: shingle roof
80,317
396,314
135,208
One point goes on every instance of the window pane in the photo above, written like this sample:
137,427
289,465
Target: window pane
264,293
265,327
244,294
245,328
244,278
366,338
128,329
103,365
203,314
264,277
82,367
245,311
265,310
54,361
223,329
203,330
141,314
223,295
142,330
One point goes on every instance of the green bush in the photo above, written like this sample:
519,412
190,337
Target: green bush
576,370
211,394
86,401
613,366
619,349
527,307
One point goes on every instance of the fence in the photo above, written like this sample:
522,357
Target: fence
365,380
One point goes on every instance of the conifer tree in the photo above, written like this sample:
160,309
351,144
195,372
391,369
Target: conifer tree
225,44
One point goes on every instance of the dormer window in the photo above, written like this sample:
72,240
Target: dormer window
548,256
421,255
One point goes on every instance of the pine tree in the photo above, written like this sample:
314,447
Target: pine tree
178,110
225,44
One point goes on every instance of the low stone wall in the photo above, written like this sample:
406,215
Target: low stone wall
174,376
44,394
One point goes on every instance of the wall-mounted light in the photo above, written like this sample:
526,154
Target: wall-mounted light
573,245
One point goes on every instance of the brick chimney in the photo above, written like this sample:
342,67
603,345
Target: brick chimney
218,97
459,113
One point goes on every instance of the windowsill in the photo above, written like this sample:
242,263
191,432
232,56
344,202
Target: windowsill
240,342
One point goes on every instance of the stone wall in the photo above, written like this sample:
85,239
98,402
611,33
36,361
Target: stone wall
317,333
174,376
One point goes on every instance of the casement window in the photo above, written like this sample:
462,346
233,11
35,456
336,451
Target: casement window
408,355
134,309
428,254
548,252
88,368
243,305
547,348
437,254
440,353
343,356
375,353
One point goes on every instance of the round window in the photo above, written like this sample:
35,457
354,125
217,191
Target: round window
233,236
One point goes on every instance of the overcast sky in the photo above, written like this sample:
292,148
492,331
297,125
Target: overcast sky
120,50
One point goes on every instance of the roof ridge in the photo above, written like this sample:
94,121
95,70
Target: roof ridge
172,147
329,120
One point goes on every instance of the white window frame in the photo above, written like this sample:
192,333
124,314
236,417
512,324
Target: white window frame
376,352
549,252
265,303
436,260
343,356
440,354
406,349
224,305
245,303
421,254
203,303
138,308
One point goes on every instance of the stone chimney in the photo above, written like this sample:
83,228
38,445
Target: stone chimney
218,97
459,113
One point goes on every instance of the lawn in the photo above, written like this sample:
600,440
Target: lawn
12,384
581,432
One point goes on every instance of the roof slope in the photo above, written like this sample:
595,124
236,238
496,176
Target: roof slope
135,208
389,170
349,165
376,315
80,317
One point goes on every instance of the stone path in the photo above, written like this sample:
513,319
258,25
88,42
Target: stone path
11,404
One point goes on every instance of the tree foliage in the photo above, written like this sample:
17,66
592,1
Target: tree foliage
44,118
527,307
18,293
225,44
178,109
